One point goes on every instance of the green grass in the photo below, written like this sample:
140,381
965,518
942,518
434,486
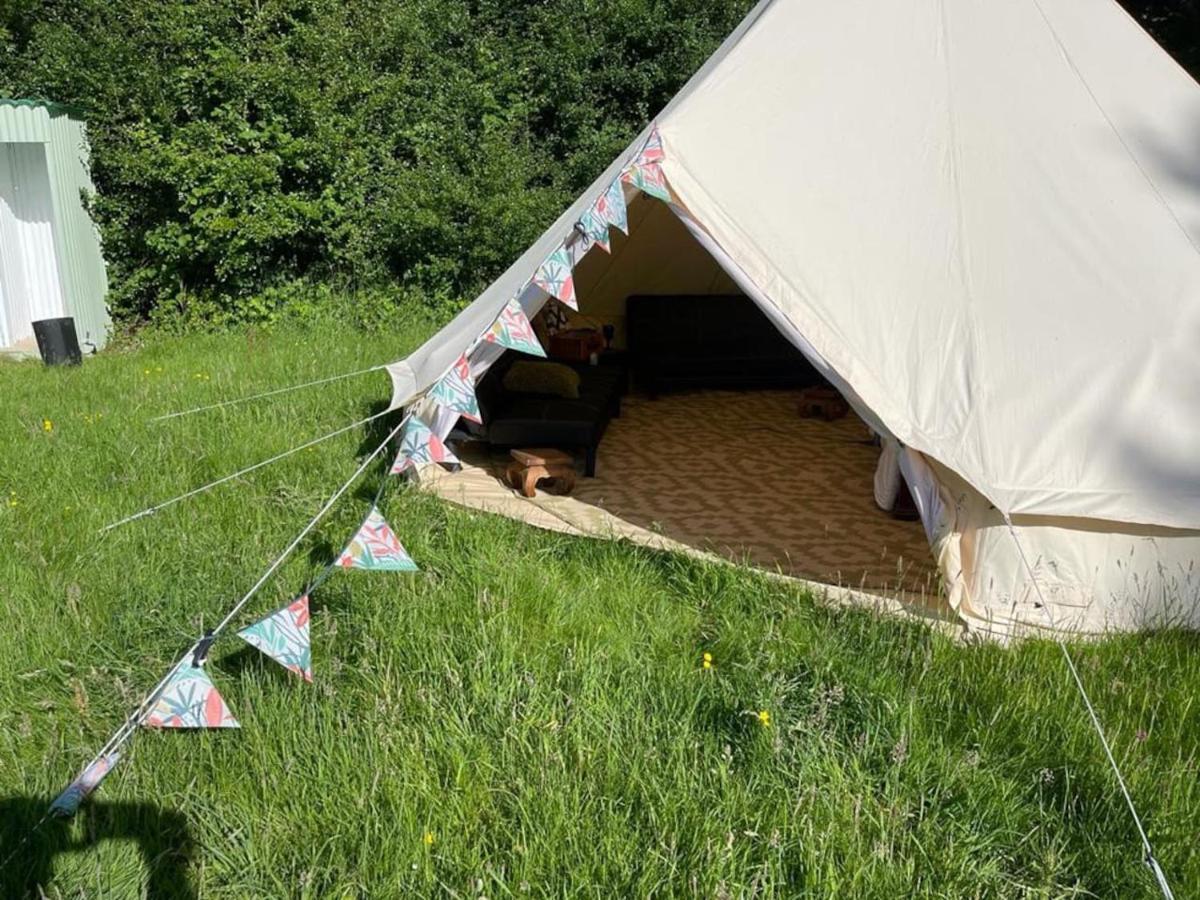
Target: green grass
536,702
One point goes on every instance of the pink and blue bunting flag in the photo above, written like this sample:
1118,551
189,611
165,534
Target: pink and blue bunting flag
376,547
595,229
652,150
283,636
611,207
512,329
190,700
554,277
419,446
455,391
645,171
67,803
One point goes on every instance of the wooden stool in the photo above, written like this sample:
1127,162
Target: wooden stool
529,466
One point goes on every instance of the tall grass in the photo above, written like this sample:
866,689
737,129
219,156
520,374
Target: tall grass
529,715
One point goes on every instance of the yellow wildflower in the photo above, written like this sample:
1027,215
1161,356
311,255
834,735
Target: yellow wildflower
145,371
764,718
428,838
708,662
47,426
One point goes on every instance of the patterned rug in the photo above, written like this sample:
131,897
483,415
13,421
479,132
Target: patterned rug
740,473
737,473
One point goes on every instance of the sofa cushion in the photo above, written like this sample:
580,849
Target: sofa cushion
529,377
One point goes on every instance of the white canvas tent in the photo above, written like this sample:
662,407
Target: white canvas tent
981,221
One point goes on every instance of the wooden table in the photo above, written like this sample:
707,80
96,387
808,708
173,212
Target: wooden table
535,464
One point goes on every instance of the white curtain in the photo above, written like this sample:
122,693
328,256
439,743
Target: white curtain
30,284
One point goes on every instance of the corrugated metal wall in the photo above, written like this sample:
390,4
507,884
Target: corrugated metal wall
80,264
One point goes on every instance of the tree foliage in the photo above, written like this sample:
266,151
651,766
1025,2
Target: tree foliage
241,145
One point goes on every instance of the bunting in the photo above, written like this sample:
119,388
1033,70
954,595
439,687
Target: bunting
611,207
376,547
554,277
512,329
456,392
190,700
595,229
283,636
645,171
67,803
419,446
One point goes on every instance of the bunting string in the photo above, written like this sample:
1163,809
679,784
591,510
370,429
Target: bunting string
149,701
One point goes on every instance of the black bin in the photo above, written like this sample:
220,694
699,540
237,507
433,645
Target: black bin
57,341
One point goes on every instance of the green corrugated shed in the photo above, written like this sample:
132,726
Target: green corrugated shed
47,170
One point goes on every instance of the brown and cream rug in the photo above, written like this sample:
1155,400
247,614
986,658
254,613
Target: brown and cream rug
737,473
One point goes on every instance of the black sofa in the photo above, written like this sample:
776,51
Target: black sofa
540,420
710,341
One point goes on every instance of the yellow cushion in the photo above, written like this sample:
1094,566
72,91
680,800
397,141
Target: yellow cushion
542,378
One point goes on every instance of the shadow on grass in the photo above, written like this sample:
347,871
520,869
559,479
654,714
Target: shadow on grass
161,836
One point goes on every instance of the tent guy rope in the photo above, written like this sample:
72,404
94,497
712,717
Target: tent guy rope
274,393
1150,860
151,510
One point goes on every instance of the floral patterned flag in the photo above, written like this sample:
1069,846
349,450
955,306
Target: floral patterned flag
67,803
512,329
595,229
645,171
555,278
611,207
456,392
419,446
189,700
376,547
283,636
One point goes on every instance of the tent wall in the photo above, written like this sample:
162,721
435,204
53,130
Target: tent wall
969,224
1094,576
75,254
983,231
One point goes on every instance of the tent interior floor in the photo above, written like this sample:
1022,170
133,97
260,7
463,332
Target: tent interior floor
738,474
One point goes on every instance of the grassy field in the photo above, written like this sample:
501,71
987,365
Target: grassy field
529,715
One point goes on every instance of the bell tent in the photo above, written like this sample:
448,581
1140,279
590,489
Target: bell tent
980,222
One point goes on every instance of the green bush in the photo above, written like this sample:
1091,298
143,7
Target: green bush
242,148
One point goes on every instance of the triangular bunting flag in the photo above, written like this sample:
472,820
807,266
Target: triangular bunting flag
595,228
645,171
611,207
283,636
652,150
190,700
649,179
456,392
554,277
420,445
67,803
512,329
376,547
